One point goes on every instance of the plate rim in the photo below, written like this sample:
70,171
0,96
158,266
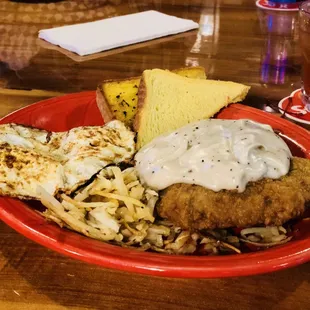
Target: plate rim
161,264
288,115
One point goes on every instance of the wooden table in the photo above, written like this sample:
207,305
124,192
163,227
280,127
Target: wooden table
233,43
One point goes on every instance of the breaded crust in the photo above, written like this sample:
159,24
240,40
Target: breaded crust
266,202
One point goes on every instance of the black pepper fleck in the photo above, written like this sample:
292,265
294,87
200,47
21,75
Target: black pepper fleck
125,102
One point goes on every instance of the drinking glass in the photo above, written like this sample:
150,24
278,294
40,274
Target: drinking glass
304,37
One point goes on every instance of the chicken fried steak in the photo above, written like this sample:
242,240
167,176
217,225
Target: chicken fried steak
265,202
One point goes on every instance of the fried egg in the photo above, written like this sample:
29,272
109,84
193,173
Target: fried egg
58,161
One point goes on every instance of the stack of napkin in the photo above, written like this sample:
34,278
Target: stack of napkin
101,35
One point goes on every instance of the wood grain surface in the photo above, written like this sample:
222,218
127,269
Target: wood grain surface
237,42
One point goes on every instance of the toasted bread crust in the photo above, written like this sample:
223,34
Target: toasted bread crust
118,80
103,103
141,102
188,68
103,106
158,110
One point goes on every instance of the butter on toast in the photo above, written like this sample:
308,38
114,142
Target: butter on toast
118,99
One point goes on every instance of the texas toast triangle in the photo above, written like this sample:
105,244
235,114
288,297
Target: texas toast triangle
167,101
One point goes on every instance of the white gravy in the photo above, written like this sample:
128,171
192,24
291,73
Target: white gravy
217,154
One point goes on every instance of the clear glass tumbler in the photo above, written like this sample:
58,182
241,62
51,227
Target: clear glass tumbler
304,37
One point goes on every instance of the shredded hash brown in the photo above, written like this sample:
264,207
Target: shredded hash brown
115,207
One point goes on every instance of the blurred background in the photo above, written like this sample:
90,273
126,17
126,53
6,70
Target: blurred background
262,53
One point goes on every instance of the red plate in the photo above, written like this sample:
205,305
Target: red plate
80,109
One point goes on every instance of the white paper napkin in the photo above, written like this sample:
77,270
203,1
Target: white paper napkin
101,35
